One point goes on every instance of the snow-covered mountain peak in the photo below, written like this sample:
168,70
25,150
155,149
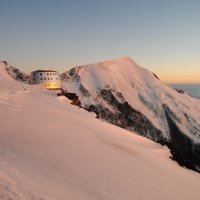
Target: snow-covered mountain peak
108,64
118,74
120,67
140,88
127,95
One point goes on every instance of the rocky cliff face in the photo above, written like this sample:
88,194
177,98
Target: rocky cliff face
184,150
122,93
125,116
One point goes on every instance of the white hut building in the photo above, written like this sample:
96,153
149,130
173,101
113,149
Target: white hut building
50,79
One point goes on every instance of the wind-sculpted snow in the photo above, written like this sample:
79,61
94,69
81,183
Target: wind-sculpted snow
133,98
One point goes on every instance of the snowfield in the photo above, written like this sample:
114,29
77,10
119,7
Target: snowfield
51,150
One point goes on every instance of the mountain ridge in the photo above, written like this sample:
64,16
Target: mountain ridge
127,95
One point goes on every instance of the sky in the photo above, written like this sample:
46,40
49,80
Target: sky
160,35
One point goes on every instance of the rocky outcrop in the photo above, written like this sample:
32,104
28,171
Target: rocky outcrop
126,117
156,76
16,73
179,91
71,96
185,151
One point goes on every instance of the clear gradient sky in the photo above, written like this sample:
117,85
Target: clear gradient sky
161,35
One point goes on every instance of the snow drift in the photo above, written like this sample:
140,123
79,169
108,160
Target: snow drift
127,95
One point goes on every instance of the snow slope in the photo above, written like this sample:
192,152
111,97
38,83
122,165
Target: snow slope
129,96
50,149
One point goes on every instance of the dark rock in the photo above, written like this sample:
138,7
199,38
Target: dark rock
119,95
5,62
84,91
125,117
185,151
76,103
156,76
73,73
179,91
17,74
71,96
